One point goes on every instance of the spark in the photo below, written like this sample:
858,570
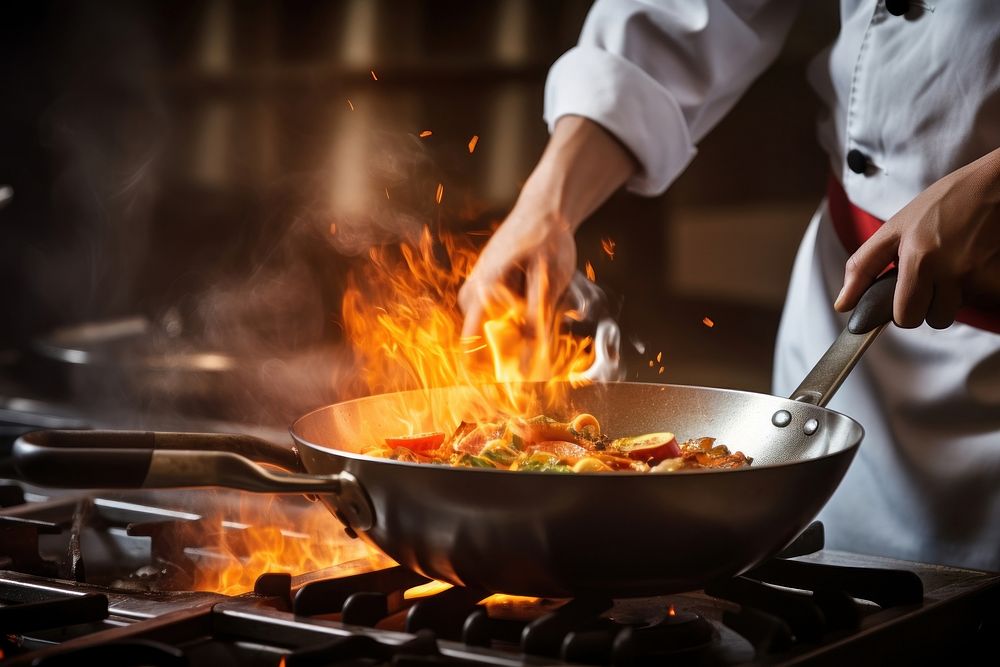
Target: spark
374,78
472,142
650,363
387,193
707,321
439,195
608,245
333,228
660,372
476,349
351,106
591,276
659,357
425,134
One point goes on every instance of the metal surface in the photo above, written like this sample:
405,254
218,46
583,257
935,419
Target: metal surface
546,534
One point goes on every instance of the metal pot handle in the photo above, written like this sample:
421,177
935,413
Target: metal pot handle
161,460
872,314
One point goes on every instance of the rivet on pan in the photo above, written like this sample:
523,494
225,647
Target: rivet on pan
781,418
810,426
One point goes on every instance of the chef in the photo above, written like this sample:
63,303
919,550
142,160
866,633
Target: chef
912,130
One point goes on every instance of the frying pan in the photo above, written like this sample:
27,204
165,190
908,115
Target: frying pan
530,533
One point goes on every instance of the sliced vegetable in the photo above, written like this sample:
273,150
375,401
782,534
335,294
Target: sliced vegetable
590,464
668,465
475,461
651,448
541,462
499,451
567,452
418,442
471,438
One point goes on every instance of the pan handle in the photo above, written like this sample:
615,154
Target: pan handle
872,314
160,460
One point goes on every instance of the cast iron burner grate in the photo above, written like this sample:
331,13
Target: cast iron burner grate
806,602
775,606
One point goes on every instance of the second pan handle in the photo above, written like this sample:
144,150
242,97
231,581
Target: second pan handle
161,460
872,314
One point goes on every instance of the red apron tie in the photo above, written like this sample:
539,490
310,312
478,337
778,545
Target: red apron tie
854,226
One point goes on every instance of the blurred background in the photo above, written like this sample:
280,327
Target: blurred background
169,174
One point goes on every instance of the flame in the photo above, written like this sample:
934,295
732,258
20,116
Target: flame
402,317
426,590
591,274
306,540
671,611
472,143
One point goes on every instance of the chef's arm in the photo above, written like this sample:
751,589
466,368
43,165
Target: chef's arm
625,106
946,243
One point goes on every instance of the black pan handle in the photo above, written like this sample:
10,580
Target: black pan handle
870,316
160,460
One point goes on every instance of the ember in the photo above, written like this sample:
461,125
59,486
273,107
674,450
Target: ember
608,245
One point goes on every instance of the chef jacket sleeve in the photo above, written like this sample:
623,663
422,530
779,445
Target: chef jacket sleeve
660,74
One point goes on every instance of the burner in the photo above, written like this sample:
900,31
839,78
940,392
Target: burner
96,579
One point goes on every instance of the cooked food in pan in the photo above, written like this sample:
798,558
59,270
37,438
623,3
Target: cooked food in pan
546,445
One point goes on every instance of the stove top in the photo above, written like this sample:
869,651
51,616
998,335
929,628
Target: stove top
101,578
111,577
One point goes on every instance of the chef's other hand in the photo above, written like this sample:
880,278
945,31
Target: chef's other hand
946,243
533,253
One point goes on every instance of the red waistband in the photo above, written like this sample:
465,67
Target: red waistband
854,226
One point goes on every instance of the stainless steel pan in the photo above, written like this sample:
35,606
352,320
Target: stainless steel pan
531,533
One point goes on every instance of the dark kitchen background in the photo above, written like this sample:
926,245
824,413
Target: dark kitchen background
170,172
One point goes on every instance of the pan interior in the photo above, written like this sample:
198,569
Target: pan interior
742,420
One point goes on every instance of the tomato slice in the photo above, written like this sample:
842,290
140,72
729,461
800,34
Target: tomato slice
418,442
651,447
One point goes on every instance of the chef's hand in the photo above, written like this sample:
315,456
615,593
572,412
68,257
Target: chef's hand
946,243
532,255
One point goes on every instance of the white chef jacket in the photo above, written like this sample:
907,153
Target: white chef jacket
919,96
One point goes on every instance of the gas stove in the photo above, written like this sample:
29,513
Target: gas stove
119,577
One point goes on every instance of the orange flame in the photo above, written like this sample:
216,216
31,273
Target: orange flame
311,539
432,587
591,274
671,611
402,317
